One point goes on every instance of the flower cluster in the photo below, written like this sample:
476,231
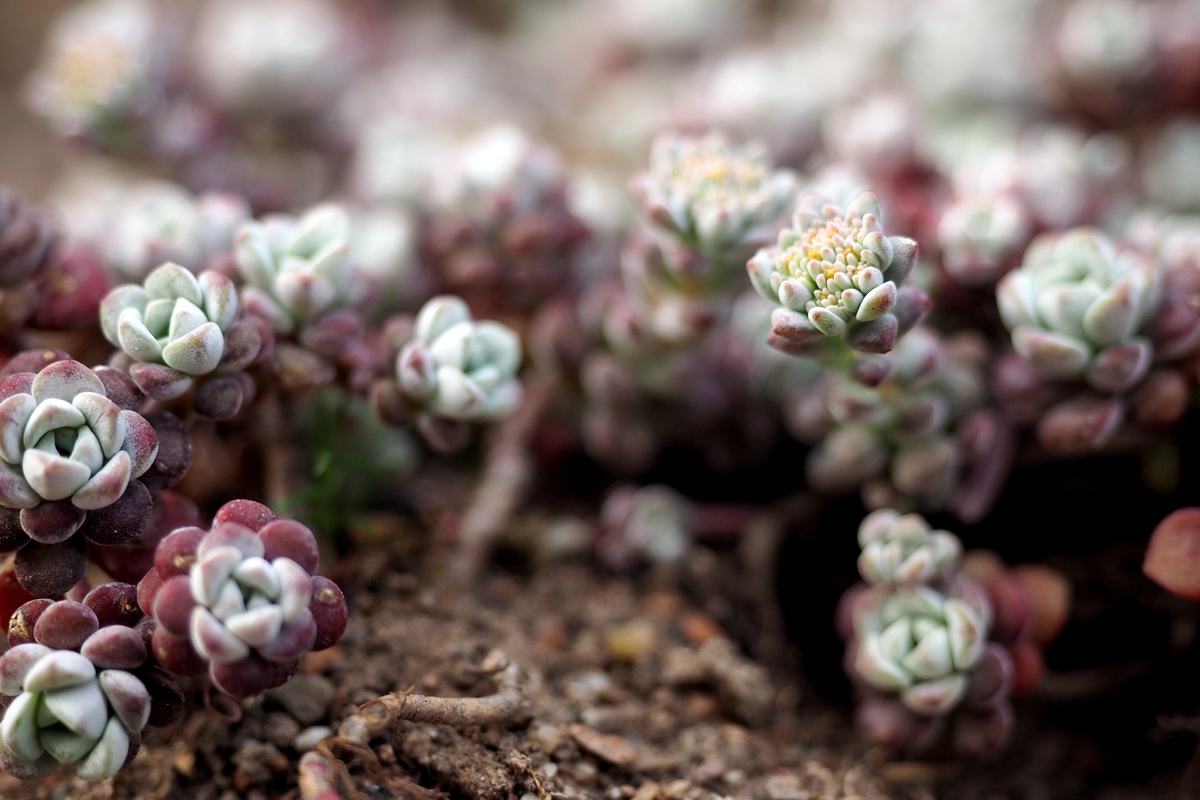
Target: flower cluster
721,200
836,274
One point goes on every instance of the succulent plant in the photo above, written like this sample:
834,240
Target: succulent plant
902,415
720,200
240,599
27,238
99,69
922,644
500,231
981,238
1077,308
82,689
296,269
836,275
457,368
903,550
648,523
66,449
176,329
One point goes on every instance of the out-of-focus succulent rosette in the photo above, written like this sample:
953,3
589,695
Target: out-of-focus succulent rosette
454,371
1167,162
918,645
712,204
285,58
104,69
1078,308
241,600
500,232
648,524
910,428
836,276
80,686
176,330
70,458
982,236
296,268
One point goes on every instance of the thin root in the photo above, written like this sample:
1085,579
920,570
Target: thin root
323,771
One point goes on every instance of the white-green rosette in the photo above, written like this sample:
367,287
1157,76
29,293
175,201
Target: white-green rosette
903,549
67,711
921,644
720,199
173,319
835,272
458,368
296,269
1077,307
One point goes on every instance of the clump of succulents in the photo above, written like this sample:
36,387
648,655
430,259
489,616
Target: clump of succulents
177,329
918,647
717,200
241,600
454,370
70,458
500,232
908,427
1077,308
80,686
836,275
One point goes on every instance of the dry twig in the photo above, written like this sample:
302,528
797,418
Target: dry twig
322,769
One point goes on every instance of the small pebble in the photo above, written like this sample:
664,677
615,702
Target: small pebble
698,628
280,729
676,789
785,787
306,697
632,640
547,736
309,738
605,746
647,791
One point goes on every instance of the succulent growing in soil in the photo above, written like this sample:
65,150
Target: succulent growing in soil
27,238
718,199
903,550
458,368
836,274
176,328
296,268
67,451
1077,308
240,599
80,690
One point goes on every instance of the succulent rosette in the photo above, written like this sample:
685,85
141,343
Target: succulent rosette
80,690
981,238
1077,308
903,550
177,328
721,200
836,274
922,644
296,269
66,450
241,600
649,524
457,368
900,424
